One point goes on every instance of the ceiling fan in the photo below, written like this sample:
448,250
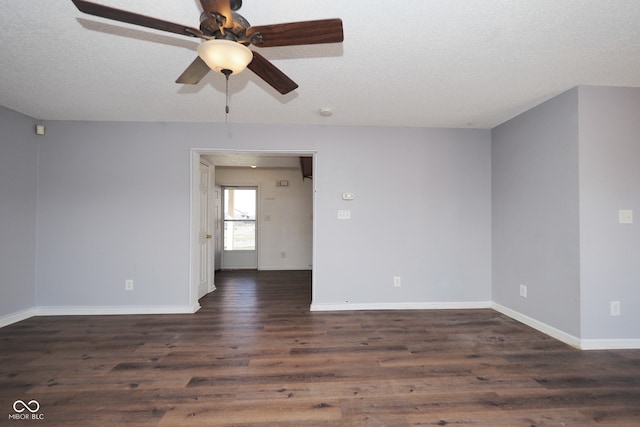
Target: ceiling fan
226,35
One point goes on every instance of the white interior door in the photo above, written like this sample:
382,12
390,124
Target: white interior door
240,234
204,233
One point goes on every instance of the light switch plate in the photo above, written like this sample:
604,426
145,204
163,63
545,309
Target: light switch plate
625,216
344,214
348,196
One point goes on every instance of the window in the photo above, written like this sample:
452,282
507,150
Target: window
239,219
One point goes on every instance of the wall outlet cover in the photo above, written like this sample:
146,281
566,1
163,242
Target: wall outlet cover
523,291
614,308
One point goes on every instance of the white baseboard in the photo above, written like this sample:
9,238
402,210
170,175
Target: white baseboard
585,344
285,268
400,306
610,344
94,311
17,317
115,310
604,344
542,327
582,344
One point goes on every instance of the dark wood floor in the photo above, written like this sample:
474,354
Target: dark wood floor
255,356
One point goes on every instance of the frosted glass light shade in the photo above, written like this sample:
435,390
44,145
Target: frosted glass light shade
225,55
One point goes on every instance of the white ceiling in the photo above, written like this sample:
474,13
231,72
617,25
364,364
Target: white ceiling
441,63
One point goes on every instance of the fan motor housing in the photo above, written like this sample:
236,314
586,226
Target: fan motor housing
209,26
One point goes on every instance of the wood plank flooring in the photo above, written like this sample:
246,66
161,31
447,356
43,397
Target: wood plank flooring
255,356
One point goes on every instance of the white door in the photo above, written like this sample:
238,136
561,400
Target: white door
204,233
240,248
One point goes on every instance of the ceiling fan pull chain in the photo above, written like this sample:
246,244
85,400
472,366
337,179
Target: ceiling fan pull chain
226,73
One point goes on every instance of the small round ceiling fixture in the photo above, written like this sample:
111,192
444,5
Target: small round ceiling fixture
325,111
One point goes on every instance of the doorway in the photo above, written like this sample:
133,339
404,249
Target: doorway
239,231
272,213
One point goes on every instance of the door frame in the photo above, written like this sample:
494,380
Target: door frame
194,162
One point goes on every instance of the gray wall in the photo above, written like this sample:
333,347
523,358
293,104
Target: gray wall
421,211
535,213
114,204
107,202
609,181
18,187
561,172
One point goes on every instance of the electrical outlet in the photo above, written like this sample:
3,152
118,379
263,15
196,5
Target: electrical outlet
523,291
614,307
128,285
397,282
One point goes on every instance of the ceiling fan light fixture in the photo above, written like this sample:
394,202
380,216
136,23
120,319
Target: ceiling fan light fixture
221,54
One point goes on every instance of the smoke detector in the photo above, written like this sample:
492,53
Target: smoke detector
325,111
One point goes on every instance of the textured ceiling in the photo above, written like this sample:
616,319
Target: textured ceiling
442,63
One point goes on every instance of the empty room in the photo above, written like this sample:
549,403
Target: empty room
228,213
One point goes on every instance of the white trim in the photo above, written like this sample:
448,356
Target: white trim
194,159
286,268
535,324
314,215
17,317
115,310
610,344
587,344
401,306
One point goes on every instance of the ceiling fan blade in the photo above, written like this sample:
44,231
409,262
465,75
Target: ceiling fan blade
136,19
194,72
271,74
297,33
219,7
